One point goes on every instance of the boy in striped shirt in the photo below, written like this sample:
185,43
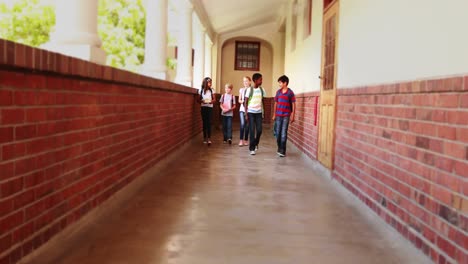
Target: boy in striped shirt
284,113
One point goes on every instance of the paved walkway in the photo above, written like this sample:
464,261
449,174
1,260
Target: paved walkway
220,205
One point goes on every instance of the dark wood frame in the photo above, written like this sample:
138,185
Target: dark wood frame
326,4
310,17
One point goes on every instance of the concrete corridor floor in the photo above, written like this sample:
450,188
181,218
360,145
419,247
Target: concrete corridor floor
220,205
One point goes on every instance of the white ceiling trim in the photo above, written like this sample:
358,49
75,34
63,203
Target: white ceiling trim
204,19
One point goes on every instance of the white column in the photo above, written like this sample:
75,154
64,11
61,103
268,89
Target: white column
184,44
208,58
199,63
156,39
76,30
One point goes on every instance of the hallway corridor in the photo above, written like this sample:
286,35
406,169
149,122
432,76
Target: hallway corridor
220,205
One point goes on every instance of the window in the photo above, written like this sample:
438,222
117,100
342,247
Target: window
247,57
307,18
193,55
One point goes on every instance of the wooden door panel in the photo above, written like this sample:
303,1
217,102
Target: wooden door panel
328,86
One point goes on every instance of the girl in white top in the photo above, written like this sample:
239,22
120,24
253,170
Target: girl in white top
206,99
244,125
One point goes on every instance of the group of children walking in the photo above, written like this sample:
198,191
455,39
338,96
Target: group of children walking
251,111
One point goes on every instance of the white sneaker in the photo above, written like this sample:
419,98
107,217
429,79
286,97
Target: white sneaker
252,152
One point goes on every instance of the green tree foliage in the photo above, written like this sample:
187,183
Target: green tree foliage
122,29
121,26
26,21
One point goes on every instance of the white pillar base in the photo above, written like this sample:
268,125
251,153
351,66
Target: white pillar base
153,72
185,81
81,51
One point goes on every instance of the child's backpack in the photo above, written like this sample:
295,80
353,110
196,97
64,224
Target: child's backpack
250,97
251,93
233,100
201,94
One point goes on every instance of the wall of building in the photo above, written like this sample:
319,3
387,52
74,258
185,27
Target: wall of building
271,37
72,134
403,150
304,131
229,75
401,141
392,41
402,147
303,63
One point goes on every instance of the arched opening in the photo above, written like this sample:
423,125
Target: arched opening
229,74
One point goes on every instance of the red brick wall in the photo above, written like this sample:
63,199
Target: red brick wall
268,103
403,150
303,132
73,133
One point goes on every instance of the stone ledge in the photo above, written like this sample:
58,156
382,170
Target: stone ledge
17,56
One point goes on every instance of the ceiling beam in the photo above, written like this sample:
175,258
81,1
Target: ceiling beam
203,17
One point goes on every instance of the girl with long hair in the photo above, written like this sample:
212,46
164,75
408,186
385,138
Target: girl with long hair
207,99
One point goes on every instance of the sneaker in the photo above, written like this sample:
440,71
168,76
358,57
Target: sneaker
204,142
282,154
252,152
256,148
209,142
241,143
246,142
224,141
230,141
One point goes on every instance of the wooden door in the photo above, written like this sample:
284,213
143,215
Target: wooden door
328,85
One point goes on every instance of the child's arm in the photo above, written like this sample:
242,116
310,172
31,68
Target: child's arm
274,108
213,99
246,104
274,111
199,97
293,113
233,102
221,100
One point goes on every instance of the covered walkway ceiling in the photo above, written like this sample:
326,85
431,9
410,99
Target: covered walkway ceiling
232,15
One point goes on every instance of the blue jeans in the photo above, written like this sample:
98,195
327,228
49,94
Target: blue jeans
227,127
282,124
244,127
255,123
206,113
